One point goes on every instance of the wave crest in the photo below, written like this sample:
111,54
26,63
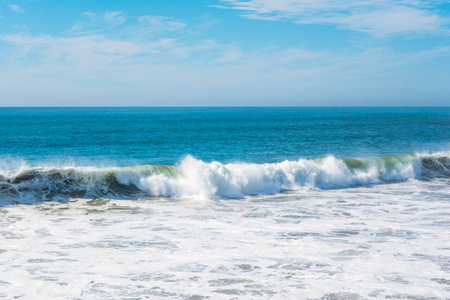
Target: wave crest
193,177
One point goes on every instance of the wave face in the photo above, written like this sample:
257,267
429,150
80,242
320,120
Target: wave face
195,178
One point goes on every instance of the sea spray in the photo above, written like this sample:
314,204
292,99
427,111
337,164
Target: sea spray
209,180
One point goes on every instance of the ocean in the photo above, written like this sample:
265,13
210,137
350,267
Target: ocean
225,203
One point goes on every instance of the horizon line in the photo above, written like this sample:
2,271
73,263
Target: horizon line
226,106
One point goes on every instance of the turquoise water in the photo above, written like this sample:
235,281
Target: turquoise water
137,136
225,203
216,152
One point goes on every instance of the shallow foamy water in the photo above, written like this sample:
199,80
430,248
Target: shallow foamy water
386,241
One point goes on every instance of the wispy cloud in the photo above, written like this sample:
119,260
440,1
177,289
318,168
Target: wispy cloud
112,56
103,38
377,17
230,54
146,60
152,24
90,51
86,69
97,22
17,9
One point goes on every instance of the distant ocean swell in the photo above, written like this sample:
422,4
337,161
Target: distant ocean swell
195,178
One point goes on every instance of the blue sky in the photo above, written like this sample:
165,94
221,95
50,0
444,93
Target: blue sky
224,52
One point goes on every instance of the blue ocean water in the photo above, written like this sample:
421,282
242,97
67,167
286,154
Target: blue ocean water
225,203
163,136
61,153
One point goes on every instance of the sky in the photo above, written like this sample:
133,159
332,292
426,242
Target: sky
224,53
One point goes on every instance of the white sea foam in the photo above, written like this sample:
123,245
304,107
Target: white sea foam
237,180
381,242
209,180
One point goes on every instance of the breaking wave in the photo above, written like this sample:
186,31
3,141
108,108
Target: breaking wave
195,178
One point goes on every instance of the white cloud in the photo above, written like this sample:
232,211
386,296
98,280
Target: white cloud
97,22
95,70
91,51
100,67
17,9
152,26
116,23
144,62
161,23
114,17
97,43
230,54
377,17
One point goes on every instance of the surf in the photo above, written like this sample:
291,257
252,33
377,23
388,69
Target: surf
193,177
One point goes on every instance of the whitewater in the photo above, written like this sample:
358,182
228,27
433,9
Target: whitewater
225,203
389,241
308,229
195,178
